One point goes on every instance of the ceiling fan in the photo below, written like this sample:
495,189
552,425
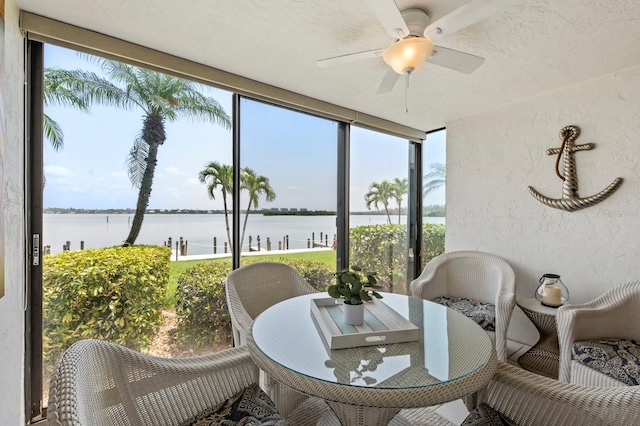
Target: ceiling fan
414,37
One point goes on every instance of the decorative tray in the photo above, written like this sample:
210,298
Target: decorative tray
382,325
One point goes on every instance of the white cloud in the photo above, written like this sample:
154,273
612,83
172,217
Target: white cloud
173,170
57,171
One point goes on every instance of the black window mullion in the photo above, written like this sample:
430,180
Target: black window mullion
342,219
236,181
414,220
33,209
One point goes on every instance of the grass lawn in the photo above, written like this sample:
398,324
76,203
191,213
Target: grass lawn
177,268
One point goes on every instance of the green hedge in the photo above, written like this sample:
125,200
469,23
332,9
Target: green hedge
383,249
201,305
201,301
113,294
432,242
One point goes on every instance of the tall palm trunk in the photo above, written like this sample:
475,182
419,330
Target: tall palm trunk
154,135
244,226
226,219
386,209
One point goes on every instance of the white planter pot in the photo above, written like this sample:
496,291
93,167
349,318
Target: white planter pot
353,314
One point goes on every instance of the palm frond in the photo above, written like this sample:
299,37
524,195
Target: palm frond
137,161
53,132
59,88
436,178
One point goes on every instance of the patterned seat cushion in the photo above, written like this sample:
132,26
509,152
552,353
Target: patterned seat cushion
617,358
484,415
482,313
249,407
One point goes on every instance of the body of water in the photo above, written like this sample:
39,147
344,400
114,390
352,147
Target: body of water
100,230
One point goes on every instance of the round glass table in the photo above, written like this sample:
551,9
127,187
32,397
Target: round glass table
452,358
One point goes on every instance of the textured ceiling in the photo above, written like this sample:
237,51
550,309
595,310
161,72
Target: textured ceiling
532,47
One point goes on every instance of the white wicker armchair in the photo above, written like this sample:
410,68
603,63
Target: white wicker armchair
615,314
529,399
252,289
475,275
101,383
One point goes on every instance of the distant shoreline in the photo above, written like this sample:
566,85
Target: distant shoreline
56,210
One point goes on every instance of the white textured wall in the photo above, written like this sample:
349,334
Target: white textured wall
11,313
493,157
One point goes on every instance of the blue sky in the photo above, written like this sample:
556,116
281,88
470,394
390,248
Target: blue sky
297,152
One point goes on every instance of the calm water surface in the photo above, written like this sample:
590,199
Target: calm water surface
100,230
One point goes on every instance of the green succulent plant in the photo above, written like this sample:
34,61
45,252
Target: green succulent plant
355,286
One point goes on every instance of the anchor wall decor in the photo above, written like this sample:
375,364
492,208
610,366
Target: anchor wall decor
570,200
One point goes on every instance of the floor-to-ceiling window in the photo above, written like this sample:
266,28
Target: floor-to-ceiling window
94,163
378,206
434,169
287,187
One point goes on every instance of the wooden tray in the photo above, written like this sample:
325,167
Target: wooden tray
382,325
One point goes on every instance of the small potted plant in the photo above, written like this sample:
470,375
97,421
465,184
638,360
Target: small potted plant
354,287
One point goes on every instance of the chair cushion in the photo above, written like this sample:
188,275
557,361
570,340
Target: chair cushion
249,407
482,313
484,415
617,358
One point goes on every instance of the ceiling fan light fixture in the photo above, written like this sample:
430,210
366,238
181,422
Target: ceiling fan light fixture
408,54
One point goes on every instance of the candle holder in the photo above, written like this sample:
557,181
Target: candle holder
552,292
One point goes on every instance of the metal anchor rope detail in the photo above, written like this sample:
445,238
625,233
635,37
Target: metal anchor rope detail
570,200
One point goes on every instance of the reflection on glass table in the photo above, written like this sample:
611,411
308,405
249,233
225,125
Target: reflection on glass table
453,358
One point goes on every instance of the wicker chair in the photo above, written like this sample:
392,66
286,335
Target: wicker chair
251,290
614,315
530,399
101,383
474,275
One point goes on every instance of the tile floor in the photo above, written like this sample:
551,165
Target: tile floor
456,411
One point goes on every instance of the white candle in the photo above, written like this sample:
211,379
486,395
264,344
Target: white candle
552,295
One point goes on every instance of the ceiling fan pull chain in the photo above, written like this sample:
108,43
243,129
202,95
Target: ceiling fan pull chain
406,93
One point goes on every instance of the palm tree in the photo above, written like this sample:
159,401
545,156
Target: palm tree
255,185
60,88
400,189
380,193
436,178
219,176
162,98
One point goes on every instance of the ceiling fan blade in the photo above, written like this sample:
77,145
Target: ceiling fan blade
351,57
388,82
389,16
455,60
462,17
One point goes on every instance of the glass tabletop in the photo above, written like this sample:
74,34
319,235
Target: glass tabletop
450,347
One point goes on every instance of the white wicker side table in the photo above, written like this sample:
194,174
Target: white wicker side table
544,357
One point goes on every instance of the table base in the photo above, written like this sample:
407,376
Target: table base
543,358
353,415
